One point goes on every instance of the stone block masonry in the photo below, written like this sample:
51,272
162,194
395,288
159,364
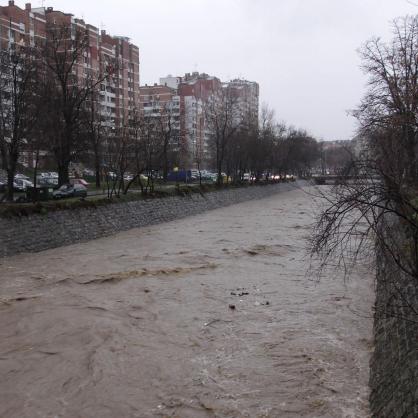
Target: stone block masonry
40,232
394,362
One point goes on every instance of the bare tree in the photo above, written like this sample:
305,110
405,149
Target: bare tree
374,210
262,144
302,152
136,152
169,137
97,127
223,121
145,150
391,100
70,87
117,159
18,107
198,154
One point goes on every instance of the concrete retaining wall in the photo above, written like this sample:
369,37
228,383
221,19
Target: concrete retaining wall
394,362
40,232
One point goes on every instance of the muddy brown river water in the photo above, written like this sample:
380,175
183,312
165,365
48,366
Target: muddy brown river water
142,324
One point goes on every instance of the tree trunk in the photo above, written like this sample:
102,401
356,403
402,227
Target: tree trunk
97,169
64,156
63,175
165,164
10,180
35,174
219,180
411,155
219,165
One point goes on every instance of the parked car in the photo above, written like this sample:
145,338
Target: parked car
88,172
40,193
20,185
21,176
70,190
180,176
80,181
112,175
194,175
47,181
209,176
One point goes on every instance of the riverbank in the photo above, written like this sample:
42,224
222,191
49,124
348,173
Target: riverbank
83,222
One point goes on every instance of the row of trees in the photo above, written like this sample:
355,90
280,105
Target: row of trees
242,144
50,108
236,144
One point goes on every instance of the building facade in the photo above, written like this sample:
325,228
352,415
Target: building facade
119,94
161,109
194,91
246,94
21,26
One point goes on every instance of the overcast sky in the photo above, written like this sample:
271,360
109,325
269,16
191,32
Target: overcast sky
301,52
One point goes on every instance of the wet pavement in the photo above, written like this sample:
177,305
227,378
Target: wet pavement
209,316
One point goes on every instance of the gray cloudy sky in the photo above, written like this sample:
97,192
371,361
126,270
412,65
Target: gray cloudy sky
301,52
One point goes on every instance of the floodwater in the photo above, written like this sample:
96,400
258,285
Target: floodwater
209,316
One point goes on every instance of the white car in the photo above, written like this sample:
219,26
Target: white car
21,176
47,181
88,172
22,184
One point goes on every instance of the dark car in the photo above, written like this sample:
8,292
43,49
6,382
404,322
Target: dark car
70,190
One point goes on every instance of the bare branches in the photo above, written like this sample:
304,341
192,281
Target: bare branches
374,211
71,85
19,107
392,99
224,120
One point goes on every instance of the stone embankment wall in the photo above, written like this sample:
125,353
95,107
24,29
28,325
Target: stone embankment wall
394,362
39,232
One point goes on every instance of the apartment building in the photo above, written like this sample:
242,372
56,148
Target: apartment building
127,57
246,94
21,26
161,106
119,94
161,101
195,90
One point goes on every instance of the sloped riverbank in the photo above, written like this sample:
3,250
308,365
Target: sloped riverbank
52,229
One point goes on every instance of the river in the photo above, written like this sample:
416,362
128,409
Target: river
214,315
